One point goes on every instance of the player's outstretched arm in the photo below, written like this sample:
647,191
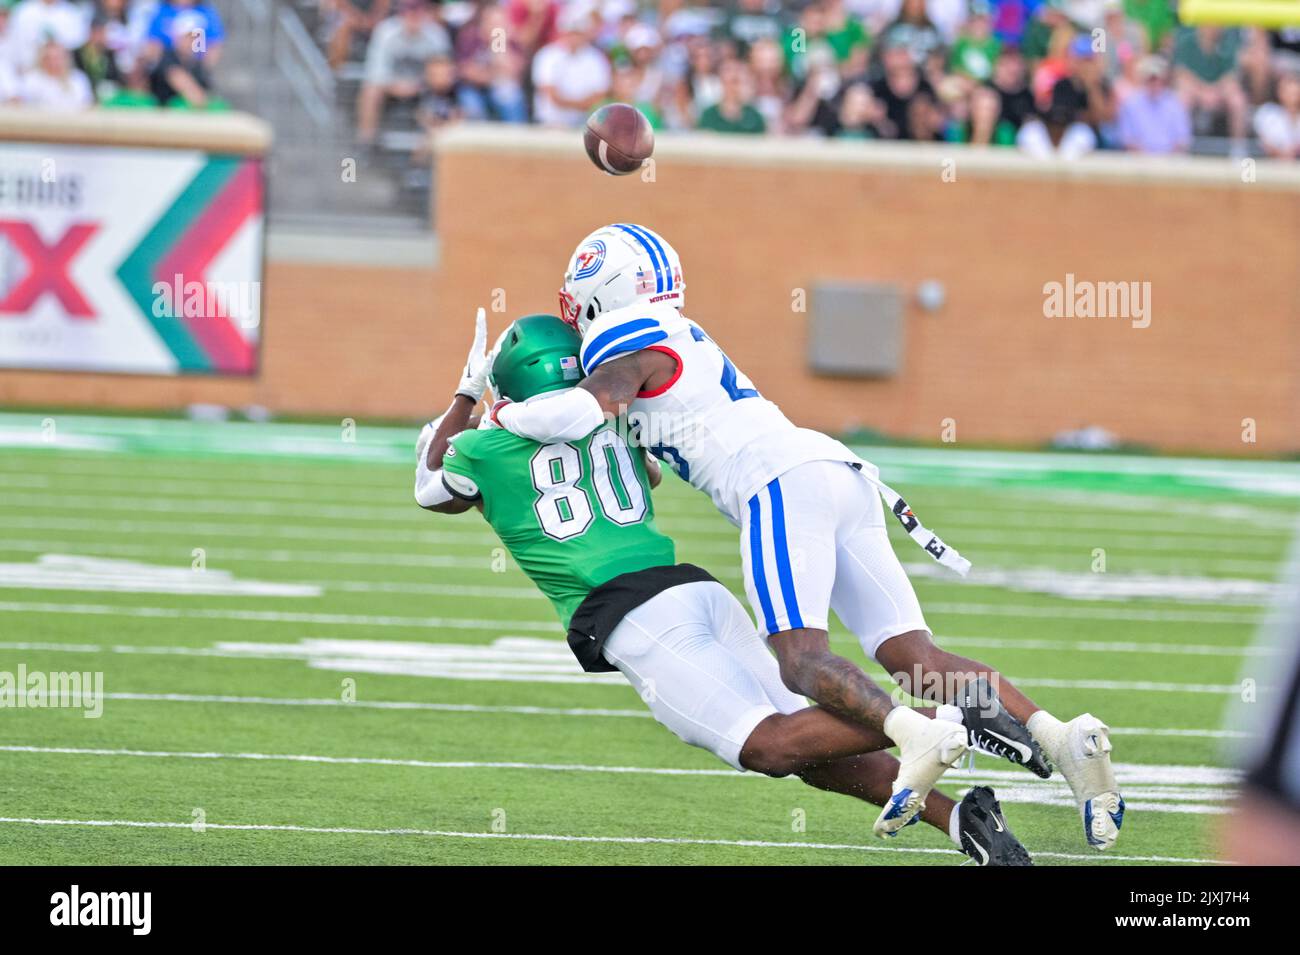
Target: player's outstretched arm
607,391
430,491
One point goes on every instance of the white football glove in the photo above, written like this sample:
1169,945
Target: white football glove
474,380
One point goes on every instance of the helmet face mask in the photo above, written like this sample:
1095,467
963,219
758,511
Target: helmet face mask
570,309
619,265
536,354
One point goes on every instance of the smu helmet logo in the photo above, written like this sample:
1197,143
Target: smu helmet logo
589,260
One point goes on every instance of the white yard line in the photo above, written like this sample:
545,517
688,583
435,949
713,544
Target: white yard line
364,761
1142,780
280,616
1184,790
1139,774
552,837
371,559
97,573
508,658
1137,686
1154,615
476,534
463,591
1103,646
379,559
332,473
1180,733
200,497
479,535
934,608
585,713
679,521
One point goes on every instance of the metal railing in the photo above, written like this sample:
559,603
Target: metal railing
277,50
303,65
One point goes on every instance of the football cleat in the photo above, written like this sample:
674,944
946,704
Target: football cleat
991,729
923,758
1083,756
985,835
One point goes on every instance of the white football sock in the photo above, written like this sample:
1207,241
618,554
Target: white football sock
902,723
954,825
946,711
1046,730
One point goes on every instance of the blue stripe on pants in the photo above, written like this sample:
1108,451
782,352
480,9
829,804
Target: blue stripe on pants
757,571
782,550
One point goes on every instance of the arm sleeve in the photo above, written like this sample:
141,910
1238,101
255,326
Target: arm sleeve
566,417
434,486
430,489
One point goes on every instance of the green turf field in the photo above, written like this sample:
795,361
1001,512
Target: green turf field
300,666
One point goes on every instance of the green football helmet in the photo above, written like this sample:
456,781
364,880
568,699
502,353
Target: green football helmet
537,354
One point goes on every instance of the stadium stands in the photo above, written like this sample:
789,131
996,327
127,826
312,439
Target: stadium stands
370,78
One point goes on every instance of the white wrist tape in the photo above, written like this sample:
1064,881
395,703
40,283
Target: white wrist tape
567,417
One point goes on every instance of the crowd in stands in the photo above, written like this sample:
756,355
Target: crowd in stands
62,55
1049,77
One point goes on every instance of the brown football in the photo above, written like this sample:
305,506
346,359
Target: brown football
618,138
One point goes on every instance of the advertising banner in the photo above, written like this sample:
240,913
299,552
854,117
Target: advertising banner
130,260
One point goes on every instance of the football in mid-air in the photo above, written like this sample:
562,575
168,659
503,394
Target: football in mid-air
618,138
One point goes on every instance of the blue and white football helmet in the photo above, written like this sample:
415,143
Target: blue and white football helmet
618,265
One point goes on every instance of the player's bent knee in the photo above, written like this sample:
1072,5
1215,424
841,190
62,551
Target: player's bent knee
904,650
770,750
907,657
800,654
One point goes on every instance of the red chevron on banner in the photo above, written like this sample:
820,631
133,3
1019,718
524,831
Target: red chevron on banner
47,268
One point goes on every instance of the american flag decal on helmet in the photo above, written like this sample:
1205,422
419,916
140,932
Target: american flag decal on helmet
569,367
645,282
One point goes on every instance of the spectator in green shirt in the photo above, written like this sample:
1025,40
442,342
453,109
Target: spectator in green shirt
1156,16
1205,76
752,21
804,38
844,32
976,48
130,99
734,112
913,29
984,124
626,89
1210,53
1048,19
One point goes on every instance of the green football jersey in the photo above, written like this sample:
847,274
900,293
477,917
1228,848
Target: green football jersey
572,515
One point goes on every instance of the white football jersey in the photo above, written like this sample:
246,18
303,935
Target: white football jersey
708,423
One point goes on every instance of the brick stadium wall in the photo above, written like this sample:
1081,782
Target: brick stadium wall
754,221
